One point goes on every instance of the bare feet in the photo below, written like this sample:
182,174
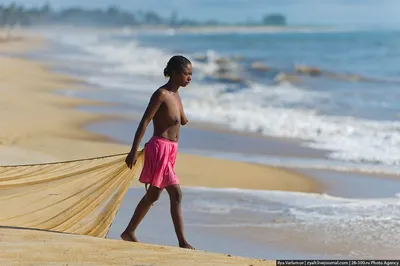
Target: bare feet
129,237
186,245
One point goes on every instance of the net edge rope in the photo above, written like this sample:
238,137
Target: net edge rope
70,161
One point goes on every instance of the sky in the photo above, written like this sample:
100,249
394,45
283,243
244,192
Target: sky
305,12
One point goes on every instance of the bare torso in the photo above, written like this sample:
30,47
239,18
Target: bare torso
168,118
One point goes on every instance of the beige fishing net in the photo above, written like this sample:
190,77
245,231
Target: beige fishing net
79,197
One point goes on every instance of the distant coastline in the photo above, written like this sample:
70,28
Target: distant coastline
114,16
201,29
238,28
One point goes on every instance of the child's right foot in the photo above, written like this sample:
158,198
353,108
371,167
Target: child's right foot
129,237
186,245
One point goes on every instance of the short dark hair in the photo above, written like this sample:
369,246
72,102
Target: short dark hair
176,63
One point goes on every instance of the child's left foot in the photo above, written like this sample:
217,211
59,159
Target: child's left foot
129,237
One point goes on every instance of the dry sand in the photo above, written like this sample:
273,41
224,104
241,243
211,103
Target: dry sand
41,126
16,41
32,247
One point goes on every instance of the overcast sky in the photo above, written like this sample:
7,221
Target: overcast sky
337,12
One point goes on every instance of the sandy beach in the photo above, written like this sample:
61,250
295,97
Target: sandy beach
40,126
46,248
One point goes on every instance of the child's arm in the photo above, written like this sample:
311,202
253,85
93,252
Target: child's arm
155,102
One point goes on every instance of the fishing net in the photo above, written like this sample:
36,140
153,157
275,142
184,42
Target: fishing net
78,197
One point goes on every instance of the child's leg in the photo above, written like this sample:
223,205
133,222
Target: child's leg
175,196
151,196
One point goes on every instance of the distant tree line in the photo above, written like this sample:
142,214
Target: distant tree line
14,14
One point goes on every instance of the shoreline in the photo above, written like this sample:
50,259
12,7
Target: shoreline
271,151
305,152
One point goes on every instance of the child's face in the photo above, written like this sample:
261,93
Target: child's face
184,78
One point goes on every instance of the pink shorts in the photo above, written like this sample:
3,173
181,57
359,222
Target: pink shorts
159,161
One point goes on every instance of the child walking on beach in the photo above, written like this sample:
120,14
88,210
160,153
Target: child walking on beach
166,110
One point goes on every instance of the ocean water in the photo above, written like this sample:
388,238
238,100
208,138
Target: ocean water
327,221
351,112
273,224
